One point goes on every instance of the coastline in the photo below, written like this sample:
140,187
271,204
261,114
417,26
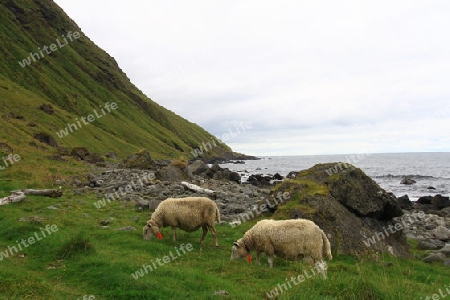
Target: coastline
386,169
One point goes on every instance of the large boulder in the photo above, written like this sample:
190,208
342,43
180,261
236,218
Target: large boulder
218,173
356,213
356,191
139,160
197,167
440,202
404,202
172,173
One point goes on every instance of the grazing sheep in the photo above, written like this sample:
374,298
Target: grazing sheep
285,238
188,214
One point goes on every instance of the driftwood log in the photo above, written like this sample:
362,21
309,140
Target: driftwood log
17,196
55,193
198,189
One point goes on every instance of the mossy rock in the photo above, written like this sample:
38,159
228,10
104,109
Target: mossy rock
348,206
139,160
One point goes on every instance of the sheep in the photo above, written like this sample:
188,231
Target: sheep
188,214
285,238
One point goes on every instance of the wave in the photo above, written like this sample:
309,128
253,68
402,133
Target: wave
416,176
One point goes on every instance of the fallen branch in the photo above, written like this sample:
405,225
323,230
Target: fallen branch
56,193
17,196
198,189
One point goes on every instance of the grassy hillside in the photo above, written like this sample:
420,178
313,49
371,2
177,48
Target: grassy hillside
83,258
78,80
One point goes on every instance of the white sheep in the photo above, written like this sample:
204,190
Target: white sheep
188,214
285,238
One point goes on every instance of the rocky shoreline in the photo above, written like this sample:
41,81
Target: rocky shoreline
426,221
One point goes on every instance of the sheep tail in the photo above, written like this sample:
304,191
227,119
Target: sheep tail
327,247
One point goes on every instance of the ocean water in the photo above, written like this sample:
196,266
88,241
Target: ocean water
387,169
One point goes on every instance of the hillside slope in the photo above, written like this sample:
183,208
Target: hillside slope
58,86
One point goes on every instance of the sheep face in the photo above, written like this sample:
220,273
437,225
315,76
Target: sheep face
238,250
150,230
146,233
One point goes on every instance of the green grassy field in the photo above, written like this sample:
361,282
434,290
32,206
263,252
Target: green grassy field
81,258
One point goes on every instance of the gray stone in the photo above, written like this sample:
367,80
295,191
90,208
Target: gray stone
427,245
445,250
440,202
127,228
434,258
197,167
441,233
430,226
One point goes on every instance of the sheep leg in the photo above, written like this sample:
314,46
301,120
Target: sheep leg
258,256
270,260
174,234
205,232
213,233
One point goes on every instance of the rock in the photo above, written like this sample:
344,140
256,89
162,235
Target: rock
46,138
447,262
435,257
430,226
139,160
47,108
277,176
404,202
359,193
292,175
407,181
111,155
104,223
259,180
221,292
94,158
425,200
436,212
142,204
441,233
446,210
440,202
218,173
197,167
431,188
6,148
172,173
126,228
236,208
349,206
80,152
430,244
445,250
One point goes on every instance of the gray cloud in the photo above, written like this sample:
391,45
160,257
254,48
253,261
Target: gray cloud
312,78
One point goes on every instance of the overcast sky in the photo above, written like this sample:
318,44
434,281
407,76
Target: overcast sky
288,77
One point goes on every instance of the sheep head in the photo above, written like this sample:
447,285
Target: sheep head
150,230
238,250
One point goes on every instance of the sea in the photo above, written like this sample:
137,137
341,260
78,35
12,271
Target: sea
429,170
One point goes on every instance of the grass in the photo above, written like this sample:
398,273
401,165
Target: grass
84,258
